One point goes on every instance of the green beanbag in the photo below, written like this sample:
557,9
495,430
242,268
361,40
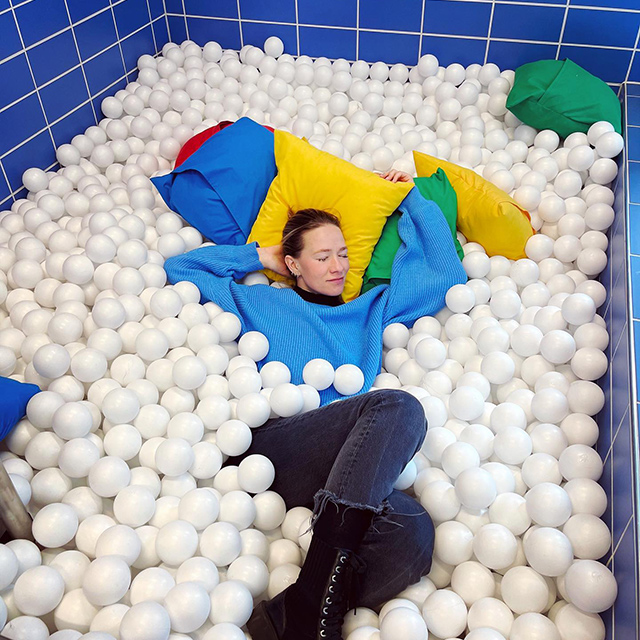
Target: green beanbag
437,188
562,96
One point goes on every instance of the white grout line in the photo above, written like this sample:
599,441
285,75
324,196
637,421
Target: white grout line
240,25
35,84
358,29
297,28
489,29
186,23
424,2
633,55
153,31
166,18
115,26
84,75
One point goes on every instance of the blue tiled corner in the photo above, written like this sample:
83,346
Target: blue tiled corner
202,30
15,80
389,47
77,121
161,32
256,33
177,28
10,41
405,16
509,55
61,96
456,18
37,152
104,69
333,13
522,22
136,45
41,18
81,9
601,28
268,10
130,15
19,122
217,9
5,191
332,43
53,57
450,50
95,34
609,64
156,8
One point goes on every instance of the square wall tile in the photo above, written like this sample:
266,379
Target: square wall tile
174,6
509,55
633,142
332,13
633,111
405,15
634,74
332,43
634,229
40,18
202,30
111,90
136,45
636,338
217,9
130,15
449,50
19,122
80,9
608,64
37,152
256,33
72,124
632,89
156,7
177,28
604,28
613,4
457,18
96,34
15,80
389,47
64,95
104,69
53,57
268,10
522,22
634,182
10,41
5,190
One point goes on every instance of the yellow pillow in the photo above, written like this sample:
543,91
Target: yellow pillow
486,215
310,178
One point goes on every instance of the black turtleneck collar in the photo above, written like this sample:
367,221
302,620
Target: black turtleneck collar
318,298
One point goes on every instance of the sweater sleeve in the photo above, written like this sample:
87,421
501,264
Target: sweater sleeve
425,267
214,271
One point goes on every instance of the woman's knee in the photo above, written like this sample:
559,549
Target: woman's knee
406,411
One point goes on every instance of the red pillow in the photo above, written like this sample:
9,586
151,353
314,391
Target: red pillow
193,144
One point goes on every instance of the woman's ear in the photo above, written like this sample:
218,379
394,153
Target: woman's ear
291,265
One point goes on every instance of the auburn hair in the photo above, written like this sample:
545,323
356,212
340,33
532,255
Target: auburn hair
299,223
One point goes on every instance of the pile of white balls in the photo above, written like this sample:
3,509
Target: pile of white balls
145,391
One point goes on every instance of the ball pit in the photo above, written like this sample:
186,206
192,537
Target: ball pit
145,391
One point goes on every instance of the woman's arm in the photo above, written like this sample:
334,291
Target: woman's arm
214,271
426,264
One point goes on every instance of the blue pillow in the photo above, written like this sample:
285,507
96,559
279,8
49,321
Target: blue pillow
14,397
220,188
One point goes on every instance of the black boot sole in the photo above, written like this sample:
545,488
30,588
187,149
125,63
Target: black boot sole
260,624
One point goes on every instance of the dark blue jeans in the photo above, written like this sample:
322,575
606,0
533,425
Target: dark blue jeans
352,452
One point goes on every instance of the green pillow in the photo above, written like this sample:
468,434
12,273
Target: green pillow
437,188
562,96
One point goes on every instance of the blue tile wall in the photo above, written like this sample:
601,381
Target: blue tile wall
56,58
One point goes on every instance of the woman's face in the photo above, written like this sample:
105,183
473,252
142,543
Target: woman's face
323,264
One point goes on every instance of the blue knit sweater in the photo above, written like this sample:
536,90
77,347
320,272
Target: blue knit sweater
425,267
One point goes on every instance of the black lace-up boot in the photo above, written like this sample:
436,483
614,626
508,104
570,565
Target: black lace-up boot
314,607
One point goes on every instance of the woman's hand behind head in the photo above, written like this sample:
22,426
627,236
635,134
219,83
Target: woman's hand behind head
272,258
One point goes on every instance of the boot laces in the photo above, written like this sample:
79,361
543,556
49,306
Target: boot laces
344,585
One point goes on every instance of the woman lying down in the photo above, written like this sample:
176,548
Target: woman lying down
370,541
